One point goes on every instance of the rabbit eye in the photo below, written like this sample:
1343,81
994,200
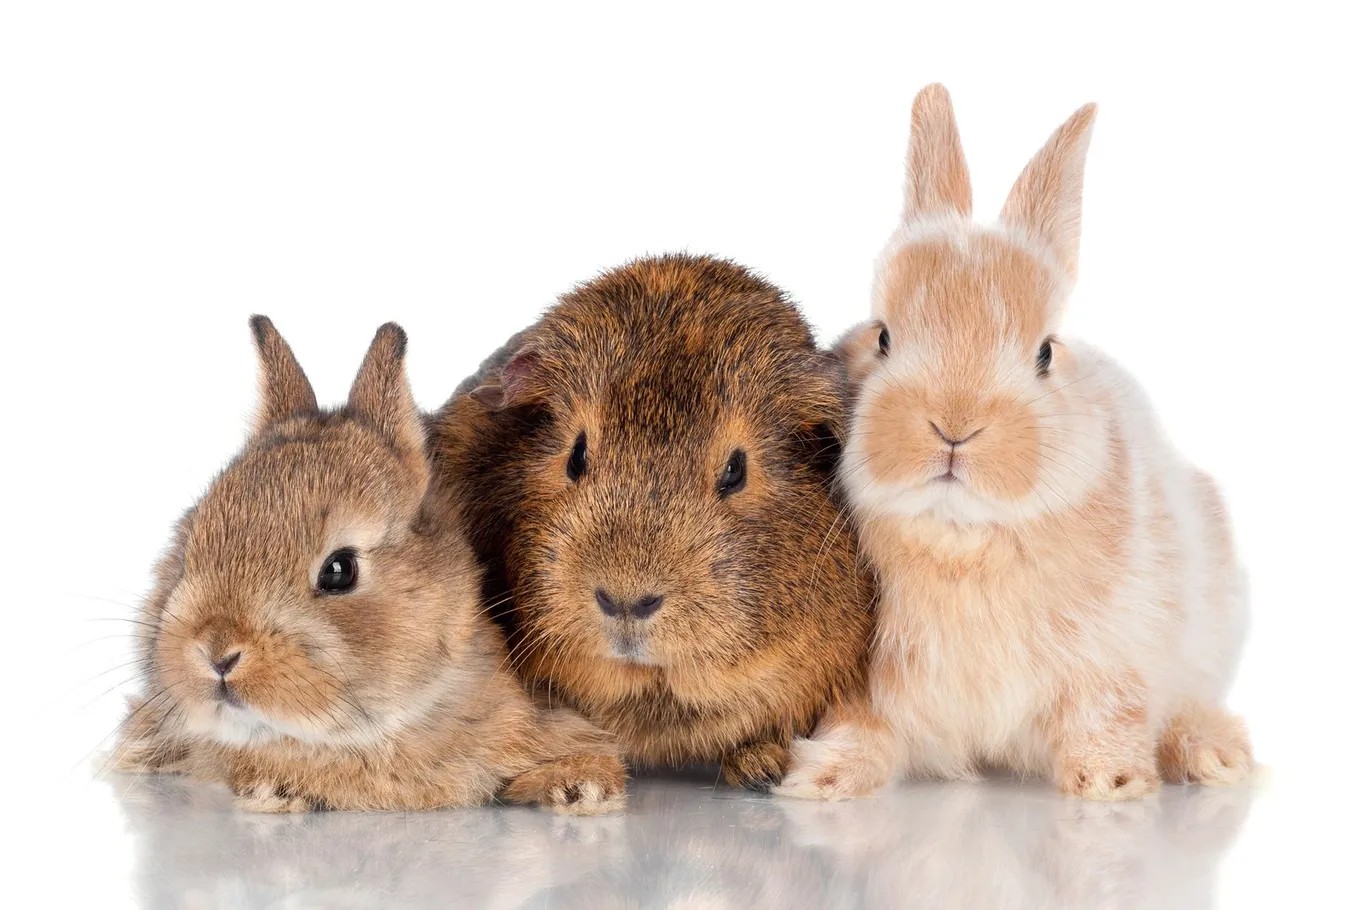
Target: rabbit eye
1044,357
734,476
578,461
884,341
339,573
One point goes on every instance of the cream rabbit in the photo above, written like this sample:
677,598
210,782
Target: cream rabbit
1060,594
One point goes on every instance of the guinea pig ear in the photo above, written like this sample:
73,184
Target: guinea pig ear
518,381
283,389
1045,201
381,396
823,399
937,181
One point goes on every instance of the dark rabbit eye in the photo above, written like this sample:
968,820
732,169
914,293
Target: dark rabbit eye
884,341
734,476
577,463
1044,357
339,573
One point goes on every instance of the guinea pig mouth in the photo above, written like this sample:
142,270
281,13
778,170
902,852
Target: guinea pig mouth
628,644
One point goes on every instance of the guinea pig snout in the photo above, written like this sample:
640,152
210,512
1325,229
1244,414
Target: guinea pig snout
632,607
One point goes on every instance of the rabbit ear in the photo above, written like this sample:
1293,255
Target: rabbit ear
938,182
1045,201
518,382
284,390
381,396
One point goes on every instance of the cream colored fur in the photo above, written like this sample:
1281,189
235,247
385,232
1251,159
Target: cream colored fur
1060,595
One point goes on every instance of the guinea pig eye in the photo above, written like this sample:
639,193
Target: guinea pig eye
734,476
339,573
1044,357
884,341
578,460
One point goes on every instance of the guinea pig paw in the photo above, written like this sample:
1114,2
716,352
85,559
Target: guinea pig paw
587,797
1109,784
758,766
575,785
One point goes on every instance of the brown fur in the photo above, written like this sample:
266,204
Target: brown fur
668,366
393,695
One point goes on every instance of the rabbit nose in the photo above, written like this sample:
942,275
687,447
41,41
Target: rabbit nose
639,609
949,440
224,665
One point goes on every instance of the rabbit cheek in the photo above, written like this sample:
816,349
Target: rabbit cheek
285,687
1005,462
894,427
236,684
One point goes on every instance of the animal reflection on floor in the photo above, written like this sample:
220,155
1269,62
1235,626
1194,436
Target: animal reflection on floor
684,844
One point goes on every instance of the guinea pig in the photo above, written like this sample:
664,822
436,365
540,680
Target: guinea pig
315,639
648,473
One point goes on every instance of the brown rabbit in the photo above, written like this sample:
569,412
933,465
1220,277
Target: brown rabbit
315,638
647,471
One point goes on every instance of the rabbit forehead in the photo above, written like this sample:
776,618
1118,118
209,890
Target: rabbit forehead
288,495
978,291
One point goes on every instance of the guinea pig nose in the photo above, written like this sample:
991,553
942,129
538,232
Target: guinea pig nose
224,665
646,606
608,604
639,609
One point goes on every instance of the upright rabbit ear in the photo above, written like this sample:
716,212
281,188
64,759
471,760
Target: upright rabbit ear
283,389
517,382
938,182
1045,201
381,396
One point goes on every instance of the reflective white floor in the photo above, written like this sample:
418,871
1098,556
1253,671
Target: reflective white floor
134,843
683,843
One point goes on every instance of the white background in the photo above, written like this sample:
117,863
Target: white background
168,169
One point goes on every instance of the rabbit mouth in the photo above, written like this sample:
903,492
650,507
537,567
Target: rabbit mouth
231,723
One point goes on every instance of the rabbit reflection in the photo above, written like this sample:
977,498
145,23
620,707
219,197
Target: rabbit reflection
193,851
1005,845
